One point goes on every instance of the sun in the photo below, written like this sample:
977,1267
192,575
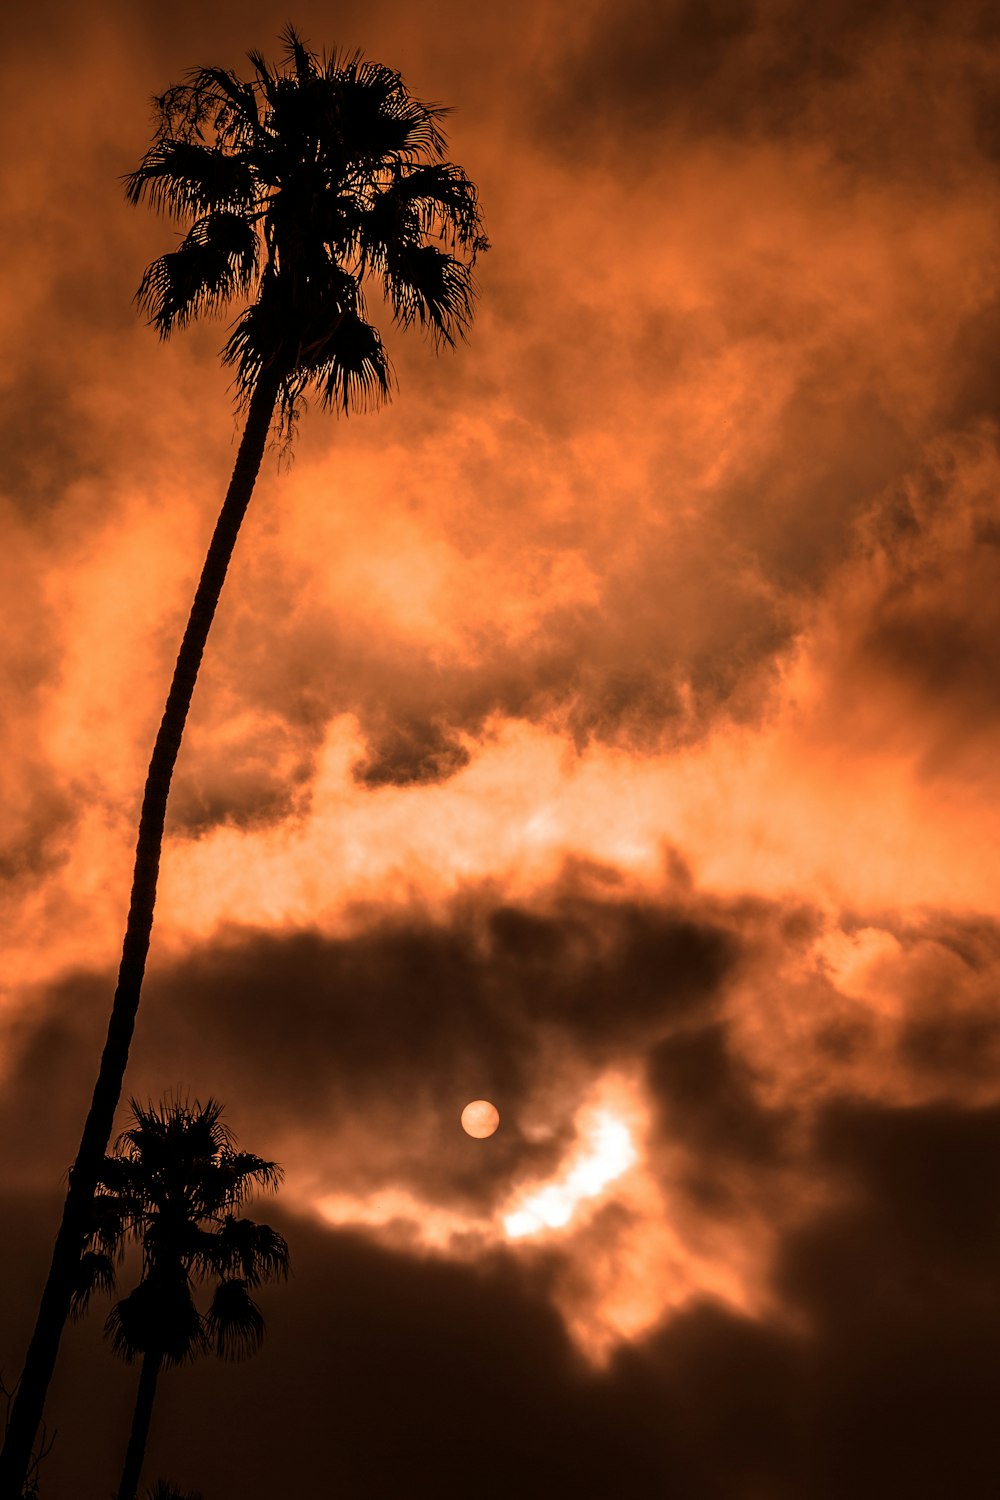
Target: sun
480,1119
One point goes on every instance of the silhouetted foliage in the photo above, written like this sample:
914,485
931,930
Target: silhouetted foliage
296,187
174,1184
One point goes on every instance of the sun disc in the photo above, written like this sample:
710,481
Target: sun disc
480,1118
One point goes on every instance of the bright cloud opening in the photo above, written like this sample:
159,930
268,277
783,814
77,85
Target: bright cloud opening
608,1154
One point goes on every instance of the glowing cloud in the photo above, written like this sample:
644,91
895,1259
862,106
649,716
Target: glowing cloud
609,1153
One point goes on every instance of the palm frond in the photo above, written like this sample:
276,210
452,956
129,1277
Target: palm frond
299,55
174,1119
259,340
184,178
216,261
213,101
161,1490
378,119
234,1323
243,1173
113,1219
268,80
95,1272
227,92
115,1174
431,287
435,198
351,367
253,1252
159,1315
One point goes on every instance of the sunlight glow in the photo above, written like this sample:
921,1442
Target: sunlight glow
609,1152
618,1275
405,1220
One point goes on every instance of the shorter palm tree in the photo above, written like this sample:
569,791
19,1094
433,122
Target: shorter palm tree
174,1183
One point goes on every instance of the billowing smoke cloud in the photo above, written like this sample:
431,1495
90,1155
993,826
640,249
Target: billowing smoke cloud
799,1112
608,728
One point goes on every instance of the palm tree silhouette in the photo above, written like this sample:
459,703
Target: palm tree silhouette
298,186
174,1183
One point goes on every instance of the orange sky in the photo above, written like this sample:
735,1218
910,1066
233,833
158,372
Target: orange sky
609,725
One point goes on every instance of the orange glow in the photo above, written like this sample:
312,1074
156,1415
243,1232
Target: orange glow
607,1153
611,722
402,1218
619,1276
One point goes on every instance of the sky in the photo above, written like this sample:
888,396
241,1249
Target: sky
608,728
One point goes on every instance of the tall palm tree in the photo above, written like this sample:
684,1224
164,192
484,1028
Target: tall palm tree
297,187
174,1183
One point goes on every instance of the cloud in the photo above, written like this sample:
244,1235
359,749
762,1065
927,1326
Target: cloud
913,615
732,1026
738,68
804,1238
609,724
385,1035
384,1372
707,1098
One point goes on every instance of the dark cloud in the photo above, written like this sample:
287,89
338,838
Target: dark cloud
256,776
373,1043
385,1374
40,815
52,1052
39,472
954,1047
898,1286
924,1180
973,391
707,1098
410,752
409,1018
918,607
396,1028
771,68
871,1369
950,1034
941,650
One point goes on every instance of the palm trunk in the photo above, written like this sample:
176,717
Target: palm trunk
26,1411
141,1416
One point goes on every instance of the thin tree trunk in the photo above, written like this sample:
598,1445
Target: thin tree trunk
141,1416
26,1411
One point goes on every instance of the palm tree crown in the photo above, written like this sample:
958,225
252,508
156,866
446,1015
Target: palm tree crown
174,1183
296,187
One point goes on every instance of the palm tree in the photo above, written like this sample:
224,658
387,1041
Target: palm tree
174,1183
298,186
